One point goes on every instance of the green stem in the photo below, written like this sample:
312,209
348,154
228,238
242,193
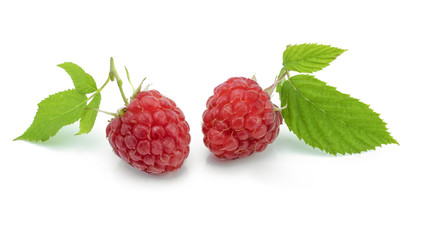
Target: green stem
115,75
98,110
100,89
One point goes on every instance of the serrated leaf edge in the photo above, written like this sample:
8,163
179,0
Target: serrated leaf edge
307,59
364,130
85,84
38,107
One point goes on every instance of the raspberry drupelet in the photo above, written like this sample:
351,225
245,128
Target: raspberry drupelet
150,134
240,119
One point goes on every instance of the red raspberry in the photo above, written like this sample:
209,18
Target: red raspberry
240,119
152,134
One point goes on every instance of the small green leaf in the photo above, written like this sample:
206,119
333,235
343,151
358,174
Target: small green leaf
308,58
83,82
89,115
330,120
55,112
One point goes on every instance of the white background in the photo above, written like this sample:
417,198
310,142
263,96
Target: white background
74,187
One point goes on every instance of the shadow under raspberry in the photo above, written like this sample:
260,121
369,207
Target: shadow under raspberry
128,171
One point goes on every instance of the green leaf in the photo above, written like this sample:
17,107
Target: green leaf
308,58
55,112
83,82
330,120
89,115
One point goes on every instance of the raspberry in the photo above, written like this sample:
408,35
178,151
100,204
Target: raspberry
240,119
151,134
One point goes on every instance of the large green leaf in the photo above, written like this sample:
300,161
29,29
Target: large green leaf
330,120
55,112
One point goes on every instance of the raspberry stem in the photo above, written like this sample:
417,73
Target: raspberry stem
115,75
111,76
270,89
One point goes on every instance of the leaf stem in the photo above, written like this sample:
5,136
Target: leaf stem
270,89
115,75
99,110
100,89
